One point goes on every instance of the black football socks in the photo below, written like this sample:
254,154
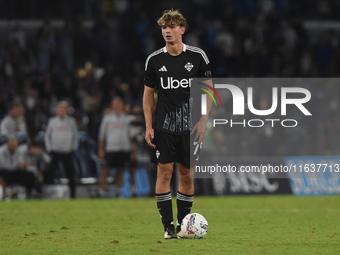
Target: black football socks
164,205
184,204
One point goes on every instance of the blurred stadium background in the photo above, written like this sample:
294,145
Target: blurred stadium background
87,51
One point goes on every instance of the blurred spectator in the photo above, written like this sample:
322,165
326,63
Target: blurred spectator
13,124
115,144
13,168
33,155
61,141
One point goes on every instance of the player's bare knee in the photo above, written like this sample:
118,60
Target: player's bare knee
186,179
164,173
164,180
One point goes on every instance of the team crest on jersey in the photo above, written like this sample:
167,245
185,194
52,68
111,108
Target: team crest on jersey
158,153
189,66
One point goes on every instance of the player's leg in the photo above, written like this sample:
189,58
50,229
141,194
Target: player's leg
70,172
165,155
164,174
120,161
186,185
185,194
119,181
103,176
163,198
108,164
49,173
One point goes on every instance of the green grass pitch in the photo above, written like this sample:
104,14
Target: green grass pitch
237,225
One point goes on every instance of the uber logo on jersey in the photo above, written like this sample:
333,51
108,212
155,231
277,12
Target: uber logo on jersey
172,83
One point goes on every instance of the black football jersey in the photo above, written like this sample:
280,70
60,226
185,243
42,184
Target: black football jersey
172,78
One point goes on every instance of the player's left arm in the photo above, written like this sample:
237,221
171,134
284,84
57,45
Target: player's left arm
201,125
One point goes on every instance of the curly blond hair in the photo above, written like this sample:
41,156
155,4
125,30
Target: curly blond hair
172,15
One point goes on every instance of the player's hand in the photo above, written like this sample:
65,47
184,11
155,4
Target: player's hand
200,129
149,135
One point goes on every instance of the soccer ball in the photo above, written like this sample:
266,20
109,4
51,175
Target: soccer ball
194,225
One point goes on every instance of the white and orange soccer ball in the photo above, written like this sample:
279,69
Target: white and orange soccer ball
194,225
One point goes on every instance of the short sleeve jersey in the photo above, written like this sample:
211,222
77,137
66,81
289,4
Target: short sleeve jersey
172,78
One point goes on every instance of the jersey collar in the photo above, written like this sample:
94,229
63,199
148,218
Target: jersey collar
184,48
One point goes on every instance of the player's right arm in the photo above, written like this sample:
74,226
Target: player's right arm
148,101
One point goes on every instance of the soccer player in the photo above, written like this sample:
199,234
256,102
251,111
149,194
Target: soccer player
170,70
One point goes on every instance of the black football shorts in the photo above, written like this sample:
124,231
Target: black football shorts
119,159
174,148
